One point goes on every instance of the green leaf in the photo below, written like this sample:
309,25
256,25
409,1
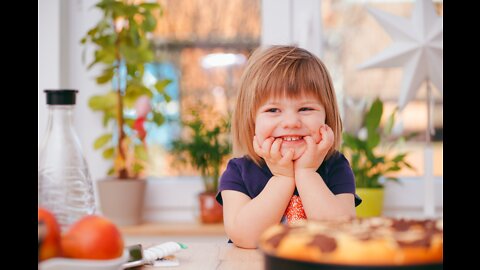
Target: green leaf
105,55
411,135
394,168
389,125
102,140
129,122
374,115
102,102
140,152
134,35
149,6
105,77
167,97
399,157
111,171
107,116
408,165
134,91
93,31
160,85
149,22
351,141
378,160
108,153
137,168
373,139
158,118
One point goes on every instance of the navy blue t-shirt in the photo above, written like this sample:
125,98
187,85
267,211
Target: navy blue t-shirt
243,175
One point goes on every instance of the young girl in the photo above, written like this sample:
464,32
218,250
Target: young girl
286,131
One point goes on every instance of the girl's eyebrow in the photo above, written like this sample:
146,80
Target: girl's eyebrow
271,103
310,103
297,102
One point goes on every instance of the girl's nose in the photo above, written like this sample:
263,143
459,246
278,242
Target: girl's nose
291,120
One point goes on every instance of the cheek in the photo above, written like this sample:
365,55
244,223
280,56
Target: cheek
259,134
314,125
263,129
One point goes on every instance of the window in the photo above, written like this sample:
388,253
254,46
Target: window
188,34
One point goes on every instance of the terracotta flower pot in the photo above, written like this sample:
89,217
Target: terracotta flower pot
210,210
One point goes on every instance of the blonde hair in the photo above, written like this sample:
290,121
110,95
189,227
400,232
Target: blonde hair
281,71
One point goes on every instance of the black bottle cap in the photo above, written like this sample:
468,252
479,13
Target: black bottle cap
61,96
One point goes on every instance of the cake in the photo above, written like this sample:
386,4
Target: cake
377,241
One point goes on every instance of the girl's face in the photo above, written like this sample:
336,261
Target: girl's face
290,120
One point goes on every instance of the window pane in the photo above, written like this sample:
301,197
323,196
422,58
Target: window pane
187,32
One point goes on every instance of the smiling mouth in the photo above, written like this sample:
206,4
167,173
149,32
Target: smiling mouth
291,138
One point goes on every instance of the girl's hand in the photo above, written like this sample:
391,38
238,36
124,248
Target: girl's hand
315,153
270,151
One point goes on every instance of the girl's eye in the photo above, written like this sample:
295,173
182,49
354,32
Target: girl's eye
305,109
272,110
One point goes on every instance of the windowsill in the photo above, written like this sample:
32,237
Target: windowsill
171,204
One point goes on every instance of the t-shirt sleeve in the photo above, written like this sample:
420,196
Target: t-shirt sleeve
231,179
343,180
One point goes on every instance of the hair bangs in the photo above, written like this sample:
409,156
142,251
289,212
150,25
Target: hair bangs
293,78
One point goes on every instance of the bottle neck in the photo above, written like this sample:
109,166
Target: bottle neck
60,116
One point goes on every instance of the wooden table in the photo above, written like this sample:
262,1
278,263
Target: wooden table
216,256
174,229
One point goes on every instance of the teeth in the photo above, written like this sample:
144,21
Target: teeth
289,139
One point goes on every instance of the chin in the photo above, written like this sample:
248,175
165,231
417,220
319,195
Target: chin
297,155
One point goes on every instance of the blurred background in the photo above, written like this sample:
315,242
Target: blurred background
201,47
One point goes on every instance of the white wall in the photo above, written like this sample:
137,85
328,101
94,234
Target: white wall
77,17
292,22
48,55
61,24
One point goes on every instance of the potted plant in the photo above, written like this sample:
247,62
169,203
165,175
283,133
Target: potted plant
122,48
373,157
205,148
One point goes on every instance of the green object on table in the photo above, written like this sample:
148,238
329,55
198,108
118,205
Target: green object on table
183,246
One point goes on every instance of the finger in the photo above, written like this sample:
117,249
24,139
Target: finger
311,146
275,150
327,137
320,133
266,146
329,133
288,156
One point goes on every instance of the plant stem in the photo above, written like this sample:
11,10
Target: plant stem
122,171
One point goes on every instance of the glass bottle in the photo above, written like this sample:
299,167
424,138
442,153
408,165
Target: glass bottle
64,182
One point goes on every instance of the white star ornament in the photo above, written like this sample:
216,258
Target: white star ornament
418,47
